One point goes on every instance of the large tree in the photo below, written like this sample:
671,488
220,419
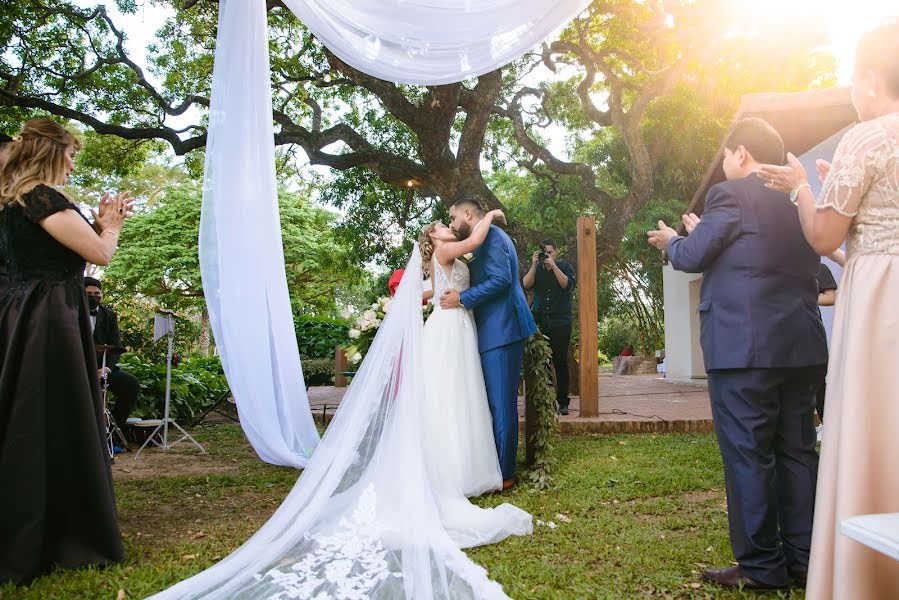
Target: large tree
599,82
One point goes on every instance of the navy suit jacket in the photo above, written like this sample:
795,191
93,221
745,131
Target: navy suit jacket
500,308
759,300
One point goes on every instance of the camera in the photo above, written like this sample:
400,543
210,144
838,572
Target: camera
542,256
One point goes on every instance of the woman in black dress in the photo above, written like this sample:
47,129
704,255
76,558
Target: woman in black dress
57,505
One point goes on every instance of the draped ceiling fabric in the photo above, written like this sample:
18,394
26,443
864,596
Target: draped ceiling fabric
427,42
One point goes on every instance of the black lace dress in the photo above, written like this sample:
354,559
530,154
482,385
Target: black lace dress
56,497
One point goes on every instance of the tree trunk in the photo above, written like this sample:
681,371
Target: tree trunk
205,336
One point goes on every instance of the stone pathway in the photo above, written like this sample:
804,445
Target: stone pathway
627,404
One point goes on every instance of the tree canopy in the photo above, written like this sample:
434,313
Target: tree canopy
633,87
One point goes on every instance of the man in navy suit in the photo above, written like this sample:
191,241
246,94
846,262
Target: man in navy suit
504,323
765,352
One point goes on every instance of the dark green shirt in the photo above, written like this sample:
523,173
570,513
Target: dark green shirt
552,302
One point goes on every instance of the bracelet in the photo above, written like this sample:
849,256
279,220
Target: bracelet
794,194
110,231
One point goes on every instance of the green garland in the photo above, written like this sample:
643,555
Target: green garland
541,421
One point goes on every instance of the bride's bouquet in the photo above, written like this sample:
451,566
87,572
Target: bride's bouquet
364,328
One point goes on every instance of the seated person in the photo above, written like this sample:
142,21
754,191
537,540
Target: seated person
122,384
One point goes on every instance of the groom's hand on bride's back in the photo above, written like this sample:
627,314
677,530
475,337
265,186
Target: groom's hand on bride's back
450,299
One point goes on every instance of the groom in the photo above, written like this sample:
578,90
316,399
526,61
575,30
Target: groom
504,323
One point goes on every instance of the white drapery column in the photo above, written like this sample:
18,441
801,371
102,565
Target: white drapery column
427,42
241,254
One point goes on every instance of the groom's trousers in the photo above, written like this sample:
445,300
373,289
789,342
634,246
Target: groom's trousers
764,421
502,369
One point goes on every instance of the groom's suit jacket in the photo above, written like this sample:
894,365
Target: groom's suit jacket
759,299
500,308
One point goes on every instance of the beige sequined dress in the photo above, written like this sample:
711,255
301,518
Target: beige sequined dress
859,468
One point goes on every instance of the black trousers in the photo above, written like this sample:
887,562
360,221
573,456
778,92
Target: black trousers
764,421
559,341
819,400
126,389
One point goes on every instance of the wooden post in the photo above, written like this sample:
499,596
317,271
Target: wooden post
587,316
339,367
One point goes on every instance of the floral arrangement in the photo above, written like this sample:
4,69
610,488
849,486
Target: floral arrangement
364,327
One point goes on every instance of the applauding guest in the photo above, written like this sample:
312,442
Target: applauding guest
765,350
57,505
859,203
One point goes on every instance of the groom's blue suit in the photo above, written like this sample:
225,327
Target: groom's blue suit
504,323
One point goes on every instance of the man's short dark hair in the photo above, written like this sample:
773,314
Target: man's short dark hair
758,137
469,201
545,243
90,281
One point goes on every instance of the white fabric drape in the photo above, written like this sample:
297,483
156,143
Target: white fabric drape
370,517
241,255
413,41
432,42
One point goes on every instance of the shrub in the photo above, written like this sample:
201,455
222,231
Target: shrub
197,382
615,333
317,337
318,371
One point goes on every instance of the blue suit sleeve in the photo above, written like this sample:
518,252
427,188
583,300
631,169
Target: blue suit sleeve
497,274
717,229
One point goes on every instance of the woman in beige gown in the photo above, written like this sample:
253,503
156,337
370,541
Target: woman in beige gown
859,201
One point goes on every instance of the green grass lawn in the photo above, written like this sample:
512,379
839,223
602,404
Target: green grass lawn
636,516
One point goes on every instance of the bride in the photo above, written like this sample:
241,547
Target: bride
461,445
380,511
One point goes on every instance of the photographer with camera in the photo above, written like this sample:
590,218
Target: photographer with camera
552,283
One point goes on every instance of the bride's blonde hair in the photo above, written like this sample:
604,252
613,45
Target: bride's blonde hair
426,246
37,157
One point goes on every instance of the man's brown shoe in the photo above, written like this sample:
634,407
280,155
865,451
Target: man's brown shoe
508,483
733,577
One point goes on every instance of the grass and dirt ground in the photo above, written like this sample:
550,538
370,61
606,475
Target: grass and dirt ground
630,516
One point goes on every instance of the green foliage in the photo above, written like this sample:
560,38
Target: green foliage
540,399
197,383
602,359
615,333
135,317
158,256
318,337
318,371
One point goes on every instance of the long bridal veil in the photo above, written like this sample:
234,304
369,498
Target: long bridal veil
367,519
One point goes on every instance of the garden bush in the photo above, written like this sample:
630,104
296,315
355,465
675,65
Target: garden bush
615,333
197,382
317,337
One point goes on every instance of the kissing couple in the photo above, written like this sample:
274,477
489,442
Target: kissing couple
381,511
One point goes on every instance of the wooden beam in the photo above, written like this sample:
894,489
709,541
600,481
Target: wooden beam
587,316
339,367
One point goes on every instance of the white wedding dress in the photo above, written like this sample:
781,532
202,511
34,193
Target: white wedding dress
458,426
372,516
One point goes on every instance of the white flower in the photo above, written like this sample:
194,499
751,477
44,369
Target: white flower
387,306
370,315
365,325
374,306
346,313
354,334
355,358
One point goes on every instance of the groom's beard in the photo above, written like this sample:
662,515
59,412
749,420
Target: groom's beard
463,232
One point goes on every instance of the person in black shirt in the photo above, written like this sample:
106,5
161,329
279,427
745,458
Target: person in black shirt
827,295
552,281
105,323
